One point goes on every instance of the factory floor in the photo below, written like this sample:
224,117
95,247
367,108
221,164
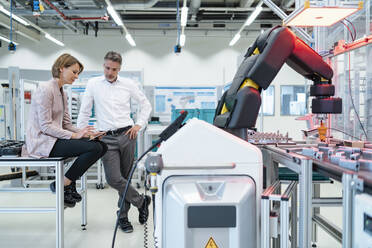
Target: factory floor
38,230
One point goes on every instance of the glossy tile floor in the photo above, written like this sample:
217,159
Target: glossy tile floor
38,230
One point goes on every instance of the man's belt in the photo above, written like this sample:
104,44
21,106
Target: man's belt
118,131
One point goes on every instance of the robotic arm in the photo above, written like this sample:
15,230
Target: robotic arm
239,106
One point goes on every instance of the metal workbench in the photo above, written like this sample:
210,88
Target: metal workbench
272,157
352,182
58,164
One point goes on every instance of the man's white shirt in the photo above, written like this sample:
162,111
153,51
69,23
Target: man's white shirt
112,103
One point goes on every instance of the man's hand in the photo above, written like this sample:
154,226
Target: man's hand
133,131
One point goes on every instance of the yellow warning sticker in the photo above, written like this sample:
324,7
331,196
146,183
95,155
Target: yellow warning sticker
211,243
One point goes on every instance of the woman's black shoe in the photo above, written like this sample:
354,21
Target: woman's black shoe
74,193
69,200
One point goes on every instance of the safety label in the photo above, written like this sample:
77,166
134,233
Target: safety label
211,243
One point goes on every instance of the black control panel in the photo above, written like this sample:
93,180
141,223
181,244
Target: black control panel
11,147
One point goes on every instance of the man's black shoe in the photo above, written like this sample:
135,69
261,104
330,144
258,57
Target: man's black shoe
144,210
74,193
69,200
125,225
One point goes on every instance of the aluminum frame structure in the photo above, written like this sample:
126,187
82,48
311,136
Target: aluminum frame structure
302,165
58,164
288,216
353,182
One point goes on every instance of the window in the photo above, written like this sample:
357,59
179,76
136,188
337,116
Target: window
268,101
293,100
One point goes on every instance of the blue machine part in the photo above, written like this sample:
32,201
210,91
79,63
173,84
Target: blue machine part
36,6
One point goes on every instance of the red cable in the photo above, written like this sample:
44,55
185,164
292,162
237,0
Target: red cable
56,9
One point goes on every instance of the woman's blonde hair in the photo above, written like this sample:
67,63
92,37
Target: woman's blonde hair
64,61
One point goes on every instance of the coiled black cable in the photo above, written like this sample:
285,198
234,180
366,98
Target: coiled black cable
127,187
145,226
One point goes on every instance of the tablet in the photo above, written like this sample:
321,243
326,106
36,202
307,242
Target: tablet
97,136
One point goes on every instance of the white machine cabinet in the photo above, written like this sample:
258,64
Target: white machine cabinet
219,207
209,190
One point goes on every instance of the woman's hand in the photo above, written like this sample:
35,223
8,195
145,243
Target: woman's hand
83,133
96,135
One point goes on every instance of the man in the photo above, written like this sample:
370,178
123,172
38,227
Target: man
111,96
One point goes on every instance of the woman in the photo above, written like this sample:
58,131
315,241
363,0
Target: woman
50,132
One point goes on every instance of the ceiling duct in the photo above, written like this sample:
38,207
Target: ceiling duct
219,25
246,3
133,5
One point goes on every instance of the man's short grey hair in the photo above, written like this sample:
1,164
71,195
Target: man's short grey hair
113,56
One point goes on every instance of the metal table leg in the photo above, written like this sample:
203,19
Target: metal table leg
284,224
24,178
265,223
59,203
316,211
271,168
84,201
305,217
294,219
276,205
347,209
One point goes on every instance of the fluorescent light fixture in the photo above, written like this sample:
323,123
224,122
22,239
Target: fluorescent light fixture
7,40
49,37
235,39
182,40
18,19
254,14
130,39
115,16
184,12
315,16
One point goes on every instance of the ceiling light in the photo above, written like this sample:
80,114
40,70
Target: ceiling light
7,40
248,22
316,16
184,12
49,37
254,14
235,39
182,40
130,39
115,16
18,19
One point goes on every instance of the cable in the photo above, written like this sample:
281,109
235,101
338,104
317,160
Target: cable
352,26
156,242
338,130
127,187
352,101
165,135
145,227
351,34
